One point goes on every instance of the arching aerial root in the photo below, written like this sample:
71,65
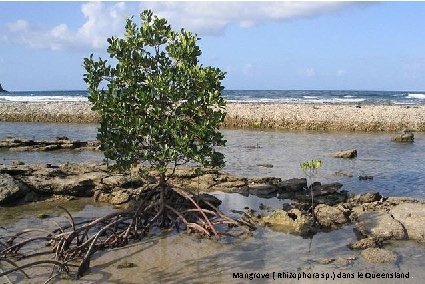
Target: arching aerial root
75,243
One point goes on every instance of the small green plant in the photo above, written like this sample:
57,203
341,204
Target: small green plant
310,169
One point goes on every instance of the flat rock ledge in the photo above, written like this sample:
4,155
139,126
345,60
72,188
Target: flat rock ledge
291,116
376,219
60,143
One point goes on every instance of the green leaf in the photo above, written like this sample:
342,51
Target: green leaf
160,105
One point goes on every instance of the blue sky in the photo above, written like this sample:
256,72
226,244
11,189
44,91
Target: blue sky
261,45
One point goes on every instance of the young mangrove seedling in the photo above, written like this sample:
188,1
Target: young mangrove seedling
310,169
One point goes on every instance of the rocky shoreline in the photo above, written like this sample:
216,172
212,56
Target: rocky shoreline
60,143
377,219
290,116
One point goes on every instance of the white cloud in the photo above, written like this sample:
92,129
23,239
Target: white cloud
104,19
102,22
19,25
213,17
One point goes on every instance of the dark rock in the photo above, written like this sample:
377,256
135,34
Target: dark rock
18,144
365,177
43,216
205,197
292,185
328,188
265,165
315,185
62,138
2,90
263,190
14,170
332,199
11,190
257,146
286,195
343,174
78,186
348,154
31,197
126,264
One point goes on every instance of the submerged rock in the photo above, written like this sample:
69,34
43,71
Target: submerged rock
406,136
366,243
348,154
378,255
365,177
341,173
294,221
265,165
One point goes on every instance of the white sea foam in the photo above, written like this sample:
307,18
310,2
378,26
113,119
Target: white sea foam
310,97
349,100
298,100
33,98
416,96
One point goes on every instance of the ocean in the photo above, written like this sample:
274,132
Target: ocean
285,96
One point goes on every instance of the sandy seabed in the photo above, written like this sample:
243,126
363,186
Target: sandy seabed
325,117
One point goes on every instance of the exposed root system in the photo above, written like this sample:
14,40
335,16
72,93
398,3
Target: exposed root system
72,245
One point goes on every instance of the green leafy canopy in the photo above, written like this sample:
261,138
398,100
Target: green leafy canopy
159,105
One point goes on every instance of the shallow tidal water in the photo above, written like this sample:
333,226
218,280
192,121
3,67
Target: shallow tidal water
179,258
397,169
182,258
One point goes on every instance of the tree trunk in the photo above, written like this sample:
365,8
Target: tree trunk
162,187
